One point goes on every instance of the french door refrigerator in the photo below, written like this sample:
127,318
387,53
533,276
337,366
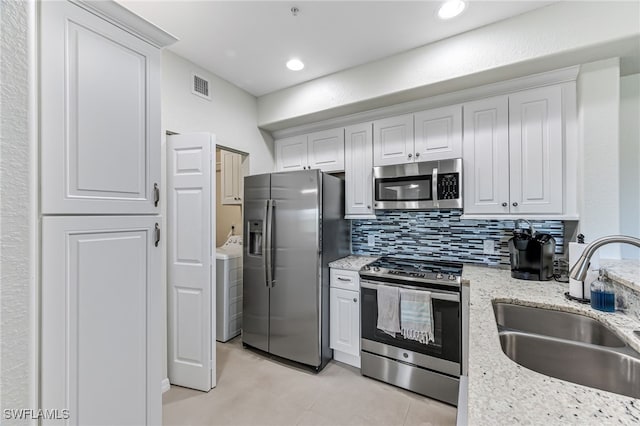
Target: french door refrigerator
294,226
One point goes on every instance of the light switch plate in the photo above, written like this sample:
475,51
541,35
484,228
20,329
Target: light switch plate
488,247
371,240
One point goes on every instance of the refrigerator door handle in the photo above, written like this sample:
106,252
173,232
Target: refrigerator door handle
265,237
268,254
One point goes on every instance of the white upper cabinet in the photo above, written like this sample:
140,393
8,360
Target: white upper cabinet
320,150
358,154
393,140
535,149
231,175
291,153
100,115
326,150
486,156
438,133
513,153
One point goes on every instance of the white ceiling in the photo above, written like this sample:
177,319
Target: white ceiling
249,42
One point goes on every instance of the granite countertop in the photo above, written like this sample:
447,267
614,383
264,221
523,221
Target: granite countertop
503,392
625,272
352,262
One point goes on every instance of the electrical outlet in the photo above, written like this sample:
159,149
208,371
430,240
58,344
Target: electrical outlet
488,247
371,240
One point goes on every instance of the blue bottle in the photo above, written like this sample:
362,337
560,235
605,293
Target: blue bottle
603,297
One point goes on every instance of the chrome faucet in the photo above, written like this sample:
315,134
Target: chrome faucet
580,269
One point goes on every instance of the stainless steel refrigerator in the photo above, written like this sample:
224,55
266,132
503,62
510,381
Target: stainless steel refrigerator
294,226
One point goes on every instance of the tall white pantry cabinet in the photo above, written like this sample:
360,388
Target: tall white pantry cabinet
101,263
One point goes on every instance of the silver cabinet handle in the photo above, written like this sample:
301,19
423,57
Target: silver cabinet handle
515,204
410,155
344,279
504,204
434,186
417,154
157,232
355,300
156,194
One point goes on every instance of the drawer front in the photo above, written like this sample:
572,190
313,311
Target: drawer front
345,279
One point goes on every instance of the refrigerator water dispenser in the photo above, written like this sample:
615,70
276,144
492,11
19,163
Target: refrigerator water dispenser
255,237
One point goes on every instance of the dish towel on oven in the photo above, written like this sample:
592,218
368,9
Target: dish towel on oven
388,307
416,319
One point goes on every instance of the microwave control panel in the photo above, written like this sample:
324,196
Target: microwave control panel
448,186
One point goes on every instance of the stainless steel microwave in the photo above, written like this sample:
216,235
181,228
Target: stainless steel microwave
419,186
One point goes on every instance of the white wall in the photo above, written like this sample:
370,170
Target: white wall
562,34
630,161
231,115
599,158
18,224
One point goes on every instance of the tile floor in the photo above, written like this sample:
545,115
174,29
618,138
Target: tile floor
254,390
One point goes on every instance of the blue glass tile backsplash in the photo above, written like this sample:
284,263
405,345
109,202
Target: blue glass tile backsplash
441,235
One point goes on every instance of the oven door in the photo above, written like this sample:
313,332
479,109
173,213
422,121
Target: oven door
443,354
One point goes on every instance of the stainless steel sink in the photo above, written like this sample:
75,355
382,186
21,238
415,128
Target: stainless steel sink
547,322
587,365
569,347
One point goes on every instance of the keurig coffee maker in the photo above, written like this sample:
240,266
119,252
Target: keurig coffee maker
531,253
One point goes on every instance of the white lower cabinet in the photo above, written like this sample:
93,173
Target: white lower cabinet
101,319
344,328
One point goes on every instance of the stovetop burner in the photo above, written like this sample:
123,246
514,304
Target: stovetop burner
435,272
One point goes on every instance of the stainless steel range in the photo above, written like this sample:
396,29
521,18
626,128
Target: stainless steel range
432,369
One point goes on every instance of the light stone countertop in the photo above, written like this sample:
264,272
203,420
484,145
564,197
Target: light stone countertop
502,392
625,272
352,262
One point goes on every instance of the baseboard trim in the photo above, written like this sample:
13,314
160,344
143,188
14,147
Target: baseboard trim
165,385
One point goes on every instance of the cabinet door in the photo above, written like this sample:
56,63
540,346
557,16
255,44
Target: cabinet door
358,154
100,115
101,301
345,321
438,133
231,177
393,140
326,150
535,149
486,156
291,153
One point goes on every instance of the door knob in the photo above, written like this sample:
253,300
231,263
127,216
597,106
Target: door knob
410,155
417,154
504,204
368,207
514,204
355,300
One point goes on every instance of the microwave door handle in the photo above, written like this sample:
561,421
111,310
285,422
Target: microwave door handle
434,187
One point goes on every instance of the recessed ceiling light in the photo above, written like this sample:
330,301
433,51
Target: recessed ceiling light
451,8
295,65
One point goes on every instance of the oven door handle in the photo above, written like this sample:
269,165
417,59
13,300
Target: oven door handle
453,297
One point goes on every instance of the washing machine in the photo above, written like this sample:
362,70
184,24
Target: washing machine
229,289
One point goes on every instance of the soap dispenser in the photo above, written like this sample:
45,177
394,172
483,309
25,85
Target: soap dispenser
603,296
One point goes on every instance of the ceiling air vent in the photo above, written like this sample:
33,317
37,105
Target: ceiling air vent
200,87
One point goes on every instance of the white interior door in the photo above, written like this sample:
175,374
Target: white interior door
191,236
